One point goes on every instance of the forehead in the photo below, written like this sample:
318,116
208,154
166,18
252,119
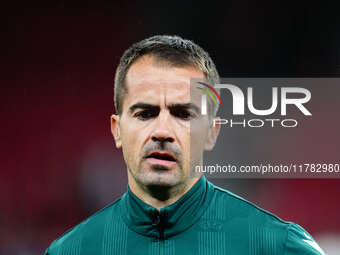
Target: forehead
156,82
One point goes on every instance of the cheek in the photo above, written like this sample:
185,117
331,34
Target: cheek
183,136
193,139
198,137
129,142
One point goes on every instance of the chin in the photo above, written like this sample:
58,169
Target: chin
160,179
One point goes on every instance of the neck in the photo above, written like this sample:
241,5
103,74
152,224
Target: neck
160,196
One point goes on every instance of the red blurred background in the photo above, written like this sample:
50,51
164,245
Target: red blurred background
58,160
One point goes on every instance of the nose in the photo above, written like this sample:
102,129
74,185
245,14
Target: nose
163,131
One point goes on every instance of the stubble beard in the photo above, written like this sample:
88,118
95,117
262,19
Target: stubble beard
158,182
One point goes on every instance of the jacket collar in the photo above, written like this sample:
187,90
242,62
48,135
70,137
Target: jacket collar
172,219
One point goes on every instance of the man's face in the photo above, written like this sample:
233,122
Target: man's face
160,122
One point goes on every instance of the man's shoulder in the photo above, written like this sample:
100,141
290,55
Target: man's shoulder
242,216
93,224
262,227
237,206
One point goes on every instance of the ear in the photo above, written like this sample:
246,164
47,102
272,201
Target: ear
214,130
115,130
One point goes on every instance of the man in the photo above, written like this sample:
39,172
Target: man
168,207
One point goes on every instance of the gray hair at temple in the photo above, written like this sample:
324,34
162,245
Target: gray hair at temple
174,50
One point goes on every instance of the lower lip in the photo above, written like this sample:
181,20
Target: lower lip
155,161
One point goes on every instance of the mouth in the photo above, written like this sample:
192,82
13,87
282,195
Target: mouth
161,158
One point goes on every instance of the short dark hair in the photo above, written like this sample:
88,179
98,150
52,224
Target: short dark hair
172,49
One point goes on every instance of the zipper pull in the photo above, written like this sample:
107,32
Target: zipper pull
157,223
156,220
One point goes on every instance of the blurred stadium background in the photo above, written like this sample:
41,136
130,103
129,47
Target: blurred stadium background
58,160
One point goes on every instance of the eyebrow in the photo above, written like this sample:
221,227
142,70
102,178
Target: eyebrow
172,106
142,106
186,106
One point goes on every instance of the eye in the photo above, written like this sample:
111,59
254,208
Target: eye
146,114
182,113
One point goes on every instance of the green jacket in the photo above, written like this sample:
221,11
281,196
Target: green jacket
206,220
